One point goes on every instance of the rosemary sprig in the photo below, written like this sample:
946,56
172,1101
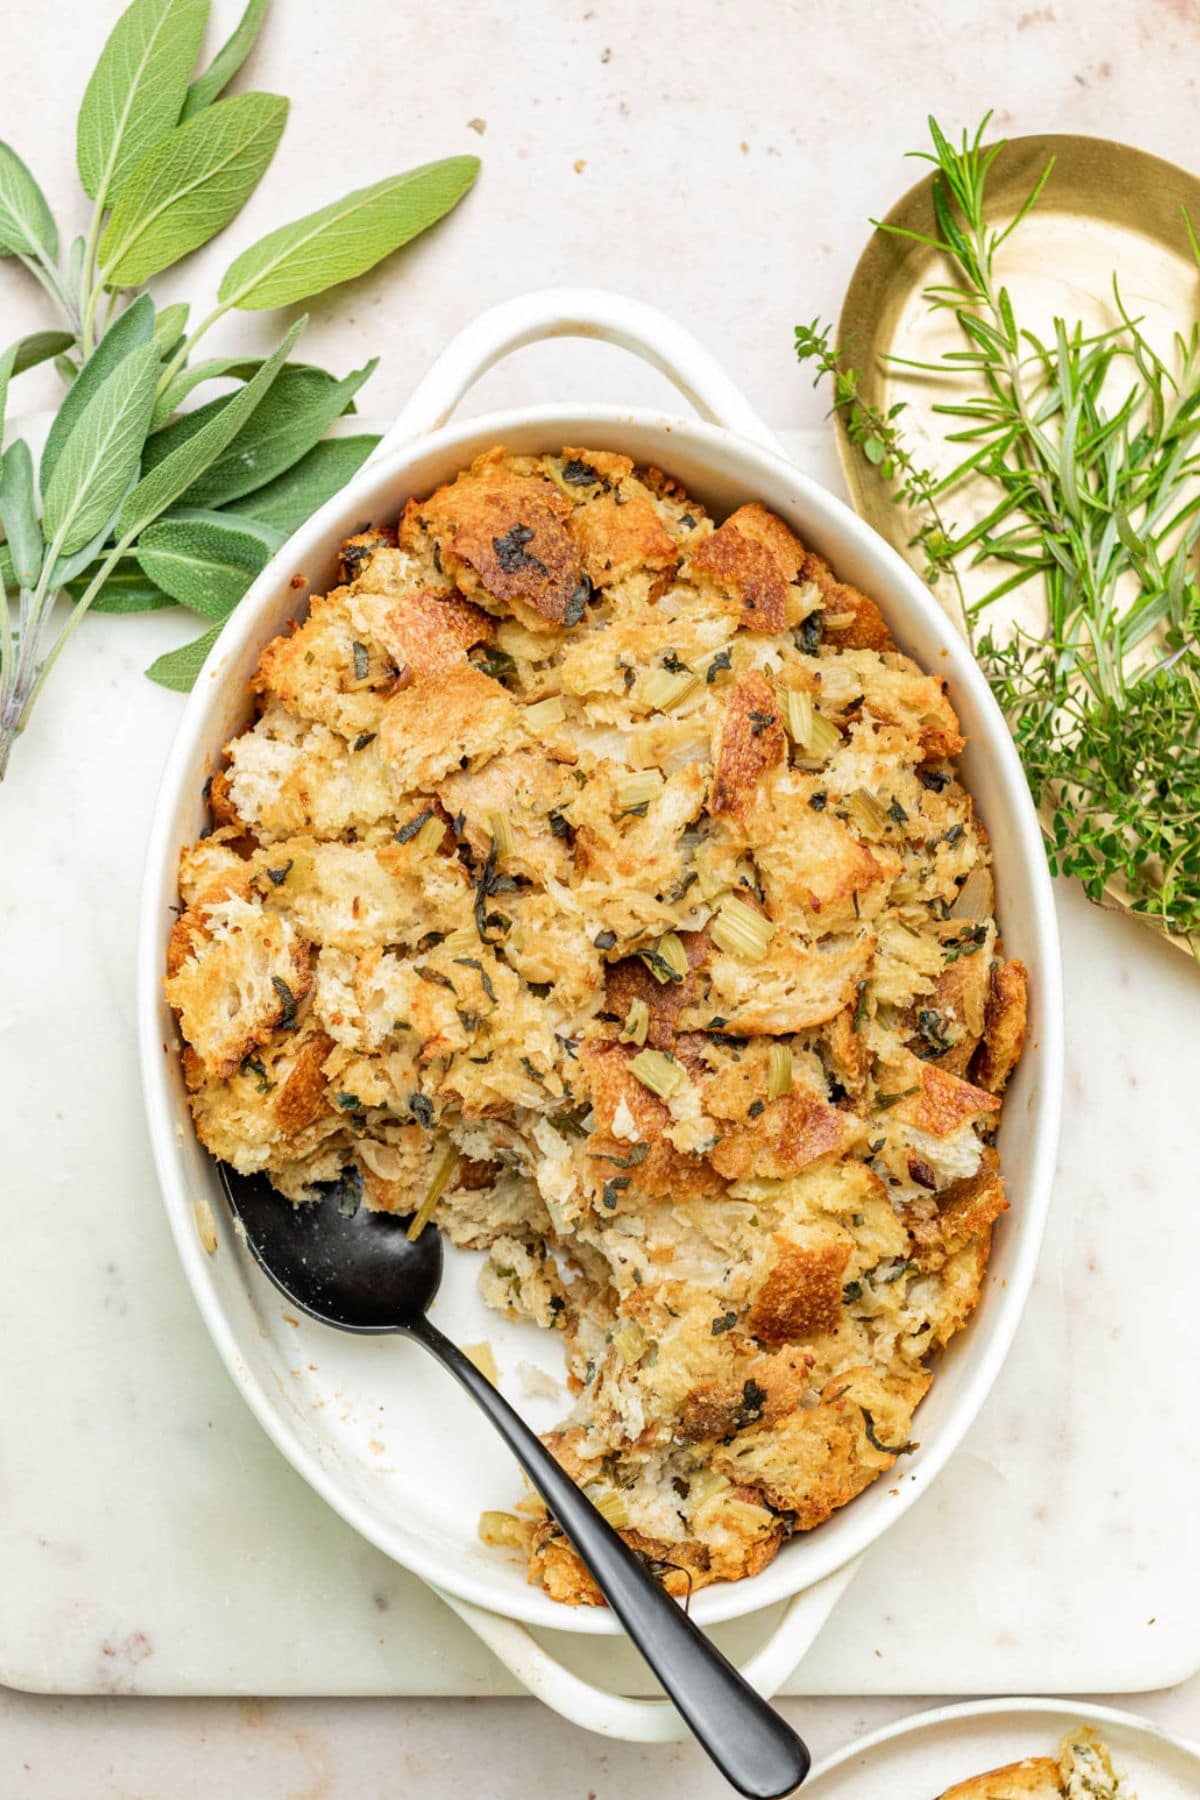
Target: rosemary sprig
1090,445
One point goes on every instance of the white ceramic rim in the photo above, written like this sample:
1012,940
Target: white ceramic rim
1084,1710
756,463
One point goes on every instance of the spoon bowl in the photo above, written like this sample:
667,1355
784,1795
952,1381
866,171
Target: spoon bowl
336,1259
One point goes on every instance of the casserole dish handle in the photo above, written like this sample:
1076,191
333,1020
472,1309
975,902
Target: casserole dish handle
646,1721
584,313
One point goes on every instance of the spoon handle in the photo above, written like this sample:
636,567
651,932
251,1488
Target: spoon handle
756,1750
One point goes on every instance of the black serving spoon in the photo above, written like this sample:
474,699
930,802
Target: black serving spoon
360,1271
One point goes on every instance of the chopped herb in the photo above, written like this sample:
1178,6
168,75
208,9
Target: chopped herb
818,800
807,636
935,779
364,738
716,1023
434,977
754,1399
876,1145
633,812
206,790
568,1124
542,989
511,553
579,776
722,660
885,1273
860,1005
483,889
885,1449
347,1190
757,1107
616,1185
577,604
472,962
497,663
931,1028
401,1025
604,940
349,1102
852,1291
759,722
533,1073
277,877
362,660
287,1019
966,943
883,1101
637,1154
414,825
687,521
675,663
577,473
421,1108
725,1322
954,835
854,898
896,811
658,965
470,1021
559,826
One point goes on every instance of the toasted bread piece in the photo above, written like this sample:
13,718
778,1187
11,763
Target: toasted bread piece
503,788
1035,1778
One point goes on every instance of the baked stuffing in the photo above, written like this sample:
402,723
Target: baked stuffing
1082,1770
614,864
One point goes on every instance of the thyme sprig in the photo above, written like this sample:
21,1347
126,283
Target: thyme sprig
1090,446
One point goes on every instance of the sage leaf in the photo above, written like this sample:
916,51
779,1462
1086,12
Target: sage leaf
164,483
345,239
27,225
228,60
295,415
170,326
137,91
39,347
187,380
296,495
24,354
134,328
100,457
66,568
189,186
178,669
125,591
18,514
204,564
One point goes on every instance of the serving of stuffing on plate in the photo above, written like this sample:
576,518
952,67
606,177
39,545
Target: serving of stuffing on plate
600,877
1082,1770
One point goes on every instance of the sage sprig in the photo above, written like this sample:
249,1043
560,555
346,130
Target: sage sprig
135,504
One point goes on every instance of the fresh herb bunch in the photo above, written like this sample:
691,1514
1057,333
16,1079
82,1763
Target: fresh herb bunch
1099,499
135,505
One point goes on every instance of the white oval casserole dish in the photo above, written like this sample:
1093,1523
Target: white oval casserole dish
370,1423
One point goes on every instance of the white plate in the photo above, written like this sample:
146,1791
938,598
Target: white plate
918,1758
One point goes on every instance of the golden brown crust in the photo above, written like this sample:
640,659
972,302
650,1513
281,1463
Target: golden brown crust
802,1293
615,540
751,740
851,621
472,824
1005,1025
1036,1777
503,537
748,557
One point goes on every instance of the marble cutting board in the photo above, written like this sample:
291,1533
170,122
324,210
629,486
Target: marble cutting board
153,1541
